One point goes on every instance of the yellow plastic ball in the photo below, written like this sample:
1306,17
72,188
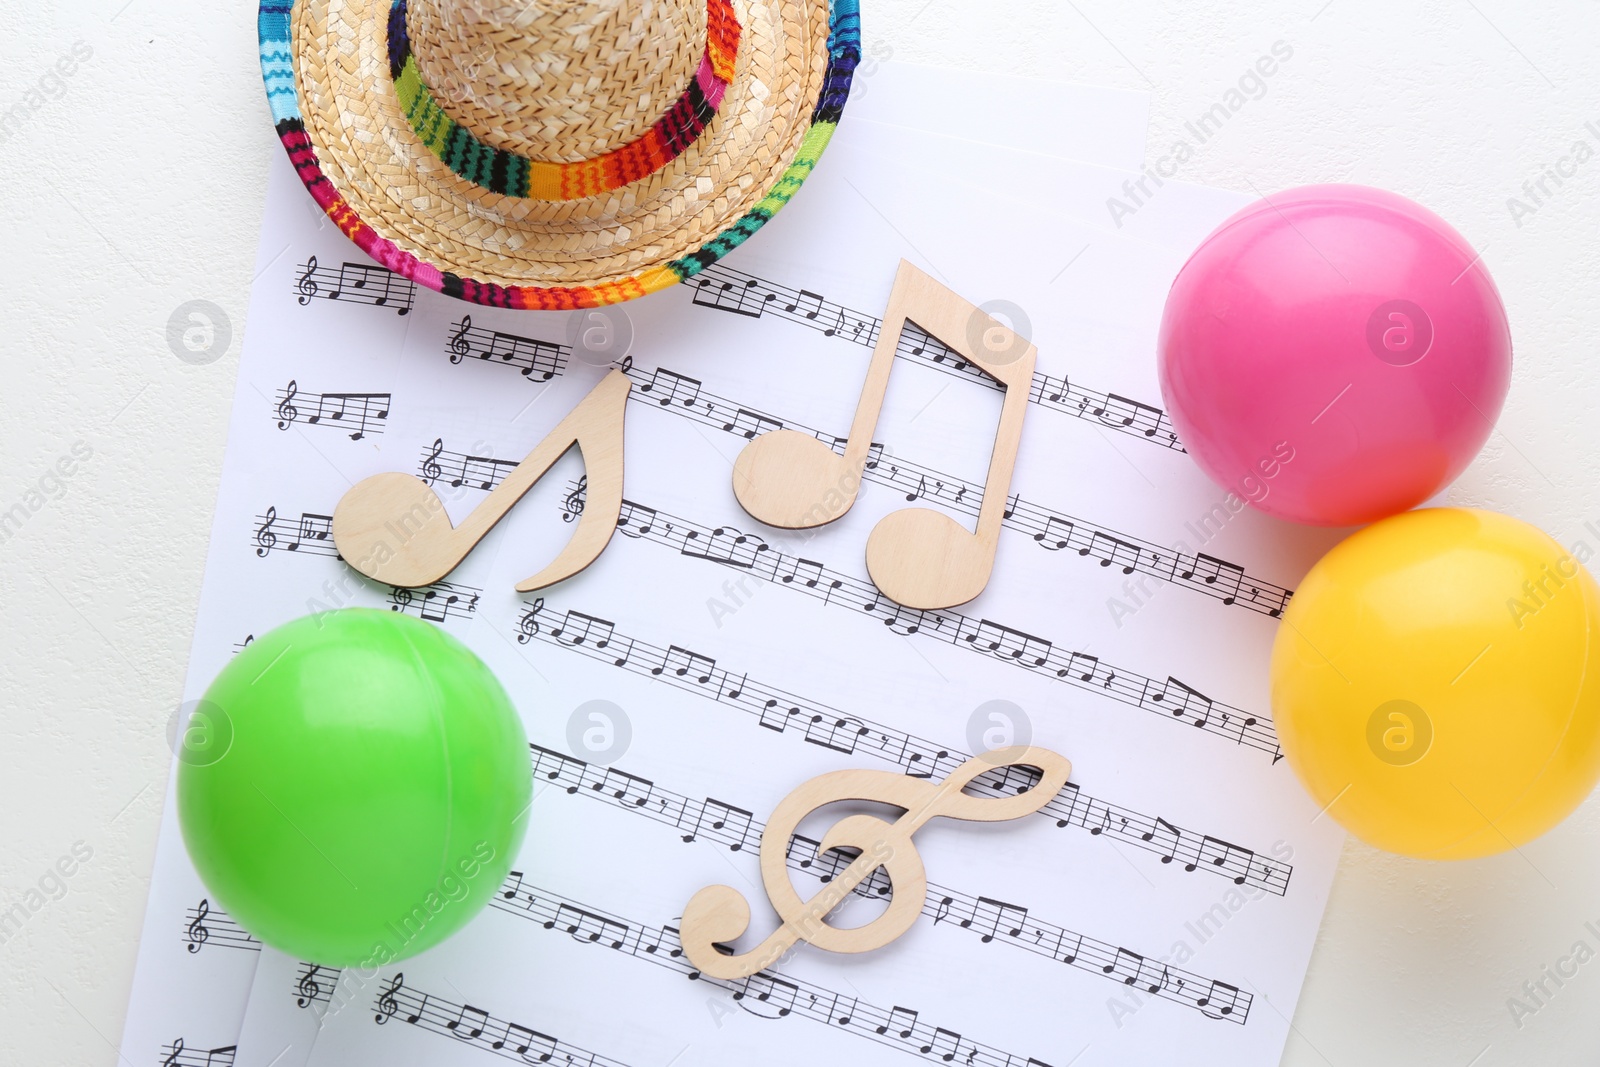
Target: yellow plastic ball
1436,683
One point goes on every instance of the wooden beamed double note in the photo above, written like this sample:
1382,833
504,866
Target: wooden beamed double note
719,914
393,528
919,557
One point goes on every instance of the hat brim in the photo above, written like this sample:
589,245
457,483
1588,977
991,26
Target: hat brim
337,113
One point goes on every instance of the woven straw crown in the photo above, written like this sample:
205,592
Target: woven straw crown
559,82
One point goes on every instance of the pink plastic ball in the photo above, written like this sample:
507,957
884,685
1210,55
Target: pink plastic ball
1334,354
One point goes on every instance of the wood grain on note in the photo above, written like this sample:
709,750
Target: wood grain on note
392,527
919,557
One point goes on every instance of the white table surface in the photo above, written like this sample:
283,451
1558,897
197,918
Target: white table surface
137,186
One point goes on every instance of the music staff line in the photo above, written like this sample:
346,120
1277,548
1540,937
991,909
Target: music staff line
476,1027
477,472
366,412
827,727
1050,528
176,1053
354,283
204,925
311,534
538,361
764,994
1170,699
721,288
992,920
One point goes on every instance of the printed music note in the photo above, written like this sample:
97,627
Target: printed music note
198,932
919,557
380,293
1188,701
521,1039
266,539
725,821
947,1045
1112,551
807,305
1120,411
393,527
287,412
1216,572
739,299
430,463
767,996
750,424
901,1022
387,1004
459,348
686,664
1229,857
718,914
1127,966
469,1023
1222,999
306,284
995,917
579,627
308,987
572,505
587,926
1162,826
665,387
1056,535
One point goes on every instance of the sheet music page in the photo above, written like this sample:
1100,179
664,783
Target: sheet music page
1164,905
188,987
286,1006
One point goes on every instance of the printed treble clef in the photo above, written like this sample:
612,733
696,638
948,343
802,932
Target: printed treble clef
287,412
627,364
306,285
308,988
459,349
177,1050
572,506
265,538
529,626
198,932
430,465
400,599
387,1005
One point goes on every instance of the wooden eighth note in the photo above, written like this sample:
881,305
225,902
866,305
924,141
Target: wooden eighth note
718,914
919,557
393,527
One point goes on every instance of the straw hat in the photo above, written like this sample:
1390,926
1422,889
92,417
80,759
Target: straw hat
552,154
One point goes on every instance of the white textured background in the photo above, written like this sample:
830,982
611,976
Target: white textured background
140,185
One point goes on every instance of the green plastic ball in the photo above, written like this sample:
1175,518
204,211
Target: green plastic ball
372,793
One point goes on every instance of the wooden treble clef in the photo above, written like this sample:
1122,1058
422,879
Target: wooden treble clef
719,914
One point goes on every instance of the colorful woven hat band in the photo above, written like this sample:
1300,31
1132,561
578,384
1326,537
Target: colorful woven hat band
278,74
510,174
